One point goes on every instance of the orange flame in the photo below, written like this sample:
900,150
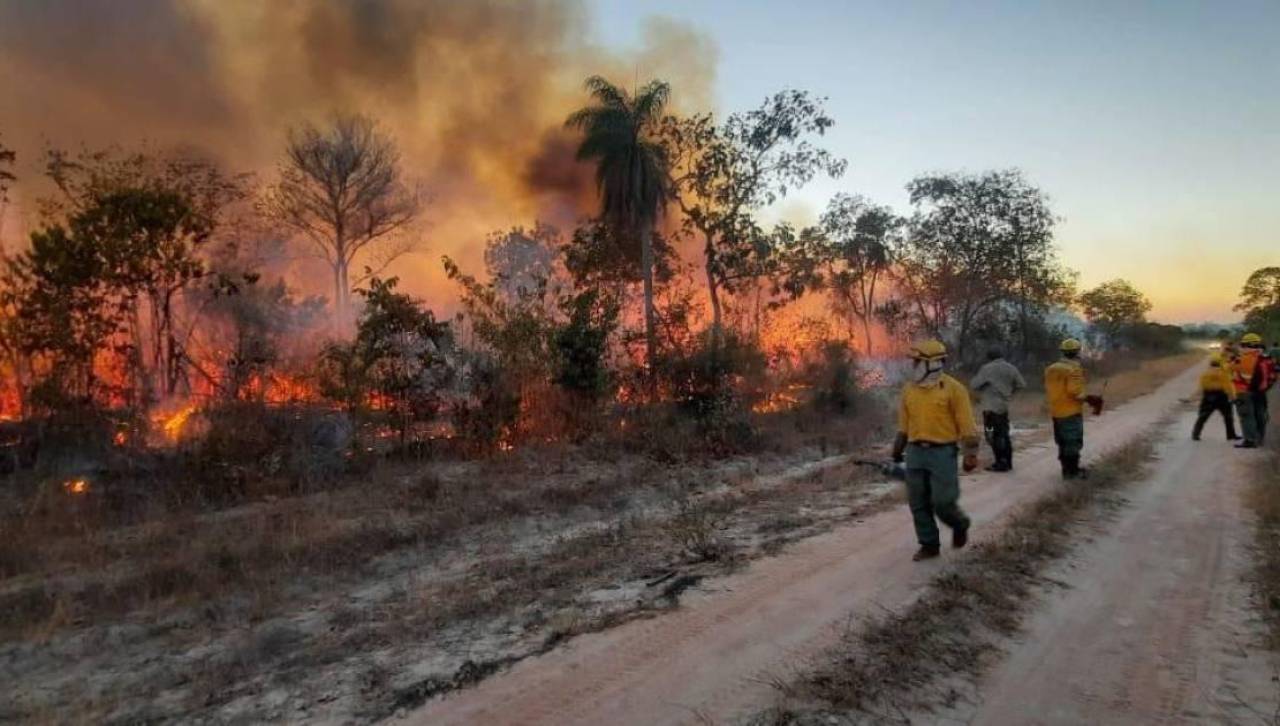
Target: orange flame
76,486
173,424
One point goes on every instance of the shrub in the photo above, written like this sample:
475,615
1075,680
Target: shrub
835,382
246,443
493,409
704,385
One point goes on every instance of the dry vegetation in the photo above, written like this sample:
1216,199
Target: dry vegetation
1264,500
901,662
379,592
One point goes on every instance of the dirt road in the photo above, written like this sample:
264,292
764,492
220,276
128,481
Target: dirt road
709,659
1155,626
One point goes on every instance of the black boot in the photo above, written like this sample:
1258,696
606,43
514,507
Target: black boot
926,552
960,536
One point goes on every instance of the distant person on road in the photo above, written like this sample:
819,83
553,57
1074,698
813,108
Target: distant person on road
996,382
1217,392
1064,387
935,419
1252,372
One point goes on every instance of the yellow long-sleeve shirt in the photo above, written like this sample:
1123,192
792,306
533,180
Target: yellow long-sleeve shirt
1217,378
1064,387
939,414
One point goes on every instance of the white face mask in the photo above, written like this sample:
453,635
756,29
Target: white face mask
928,373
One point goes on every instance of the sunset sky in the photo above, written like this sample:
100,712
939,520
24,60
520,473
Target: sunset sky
1153,126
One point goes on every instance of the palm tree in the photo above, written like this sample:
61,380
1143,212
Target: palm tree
619,135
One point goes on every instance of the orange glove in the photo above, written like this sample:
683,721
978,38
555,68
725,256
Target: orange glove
970,462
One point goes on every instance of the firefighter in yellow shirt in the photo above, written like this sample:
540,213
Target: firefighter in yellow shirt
935,419
1064,386
1217,392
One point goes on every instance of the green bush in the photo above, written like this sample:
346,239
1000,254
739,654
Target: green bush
705,385
835,381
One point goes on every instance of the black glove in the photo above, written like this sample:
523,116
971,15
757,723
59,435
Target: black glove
1095,402
899,446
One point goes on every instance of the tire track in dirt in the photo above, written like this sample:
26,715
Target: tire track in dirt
710,659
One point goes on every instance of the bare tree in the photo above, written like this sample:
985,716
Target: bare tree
341,188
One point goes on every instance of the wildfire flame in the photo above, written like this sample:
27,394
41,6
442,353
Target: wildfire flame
76,486
173,424
783,400
120,439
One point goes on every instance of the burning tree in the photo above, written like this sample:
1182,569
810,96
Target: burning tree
863,240
102,286
620,135
398,362
340,187
251,333
533,328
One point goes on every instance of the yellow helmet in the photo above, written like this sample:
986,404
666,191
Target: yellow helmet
1215,359
1069,345
927,350
1251,339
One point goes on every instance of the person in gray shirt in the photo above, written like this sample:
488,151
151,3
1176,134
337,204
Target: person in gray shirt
996,382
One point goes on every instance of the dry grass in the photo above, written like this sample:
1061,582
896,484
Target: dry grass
434,551
88,574
1264,500
899,662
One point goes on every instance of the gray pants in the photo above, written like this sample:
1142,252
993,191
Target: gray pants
1252,407
933,491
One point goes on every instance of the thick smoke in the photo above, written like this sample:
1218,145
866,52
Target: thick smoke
475,93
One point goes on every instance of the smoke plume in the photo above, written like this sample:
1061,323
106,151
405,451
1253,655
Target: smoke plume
474,92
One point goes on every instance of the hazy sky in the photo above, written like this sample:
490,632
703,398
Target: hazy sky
1153,126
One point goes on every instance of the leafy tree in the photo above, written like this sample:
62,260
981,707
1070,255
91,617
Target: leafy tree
249,327
620,136
149,240
149,218
340,187
84,178
516,330
61,309
1114,307
520,260
851,256
595,257
398,361
117,266
582,344
724,175
1261,291
975,244
1260,302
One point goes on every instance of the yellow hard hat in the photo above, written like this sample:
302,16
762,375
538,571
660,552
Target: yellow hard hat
928,350
1215,359
1069,345
1251,339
